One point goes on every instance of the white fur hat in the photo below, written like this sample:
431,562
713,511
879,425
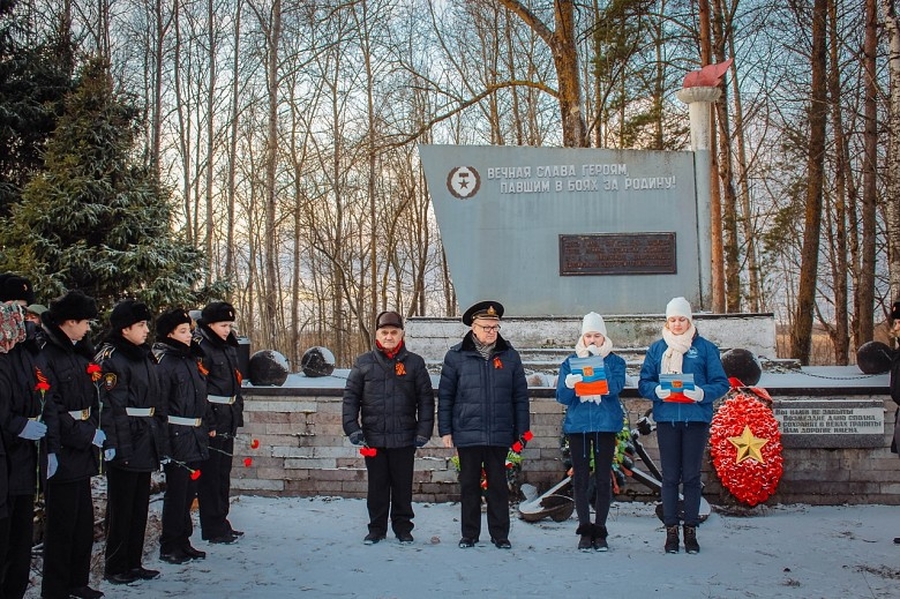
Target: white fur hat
593,322
679,307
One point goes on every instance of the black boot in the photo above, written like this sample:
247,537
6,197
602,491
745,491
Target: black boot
585,543
672,539
600,535
690,539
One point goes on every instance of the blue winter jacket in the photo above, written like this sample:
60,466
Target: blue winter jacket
483,402
587,416
704,362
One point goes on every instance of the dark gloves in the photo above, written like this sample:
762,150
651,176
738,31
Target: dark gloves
357,437
421,441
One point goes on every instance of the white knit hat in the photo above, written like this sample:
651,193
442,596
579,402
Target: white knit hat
593,322
679,307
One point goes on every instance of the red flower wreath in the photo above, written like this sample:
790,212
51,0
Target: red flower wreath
745,445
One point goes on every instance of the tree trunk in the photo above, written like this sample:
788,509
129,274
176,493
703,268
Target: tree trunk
801,335
271,247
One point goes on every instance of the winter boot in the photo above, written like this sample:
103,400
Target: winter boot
600,535
690,539
585,543
672,539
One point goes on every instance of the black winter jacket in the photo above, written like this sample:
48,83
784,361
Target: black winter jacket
130,381
25,401
71,390
895,395
395,397
223,378
183,390
483,402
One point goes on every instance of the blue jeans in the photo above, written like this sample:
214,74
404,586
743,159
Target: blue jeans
681,446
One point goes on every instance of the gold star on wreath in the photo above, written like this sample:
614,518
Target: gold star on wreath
748,446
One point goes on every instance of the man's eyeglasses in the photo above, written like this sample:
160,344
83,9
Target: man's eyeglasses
490,329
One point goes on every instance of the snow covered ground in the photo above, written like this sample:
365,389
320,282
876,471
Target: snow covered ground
313,547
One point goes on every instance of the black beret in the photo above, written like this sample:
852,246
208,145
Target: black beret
169,321
217,312
483,309
127,312
13,288
388,318
74,305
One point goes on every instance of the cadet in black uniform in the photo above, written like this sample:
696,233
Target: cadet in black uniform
188,415
74,442
134,422
223,386
24,394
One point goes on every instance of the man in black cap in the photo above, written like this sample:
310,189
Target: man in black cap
216,338
134,422
482,410
390,389
189,417
74,442
23,395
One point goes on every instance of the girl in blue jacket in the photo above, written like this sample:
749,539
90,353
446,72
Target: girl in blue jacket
682,418
594,417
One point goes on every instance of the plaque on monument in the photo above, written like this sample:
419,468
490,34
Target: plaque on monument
831,423
617,254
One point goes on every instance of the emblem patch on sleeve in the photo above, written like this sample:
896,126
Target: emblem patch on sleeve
109,381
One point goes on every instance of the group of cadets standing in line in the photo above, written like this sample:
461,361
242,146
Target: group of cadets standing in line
68,413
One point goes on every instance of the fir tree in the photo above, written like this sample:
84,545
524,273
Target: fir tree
94,218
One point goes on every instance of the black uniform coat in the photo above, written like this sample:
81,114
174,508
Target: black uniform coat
23,363
482,402
183,390
130,380
223,378
895,395
71,389
395,398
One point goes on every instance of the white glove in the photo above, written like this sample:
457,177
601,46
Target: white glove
52,464
110,454
33,430
597,399
662,393
571,379
593,350
695,394
99,438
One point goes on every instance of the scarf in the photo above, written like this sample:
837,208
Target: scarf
390,354
673,357
484,350
583,352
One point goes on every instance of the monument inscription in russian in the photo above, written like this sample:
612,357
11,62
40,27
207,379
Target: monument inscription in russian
617,254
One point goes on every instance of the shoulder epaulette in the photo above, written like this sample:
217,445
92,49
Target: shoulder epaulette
105,353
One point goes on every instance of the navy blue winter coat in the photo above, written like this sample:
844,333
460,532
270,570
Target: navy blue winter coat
483,402
587,416
393,397
704,362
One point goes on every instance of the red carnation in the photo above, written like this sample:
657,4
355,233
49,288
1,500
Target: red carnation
254,443
95,371
195,474
248,462
517,447
528,436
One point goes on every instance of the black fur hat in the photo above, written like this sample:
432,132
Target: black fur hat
74,305
895,310
217,312
169,321
13,287
127,312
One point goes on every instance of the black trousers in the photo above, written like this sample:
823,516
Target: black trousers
600,446
214,489
68,537
390,489
177,526
471,462
17,565
128,496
